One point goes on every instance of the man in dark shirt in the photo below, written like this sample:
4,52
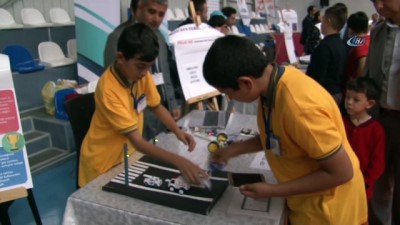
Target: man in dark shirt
328,60
307,23
201,9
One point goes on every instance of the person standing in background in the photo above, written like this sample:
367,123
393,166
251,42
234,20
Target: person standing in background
358,30
201,9
307,23
383,66
365,133
328,60
230,14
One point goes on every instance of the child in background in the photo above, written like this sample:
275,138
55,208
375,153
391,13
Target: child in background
365,134
359,43
328,60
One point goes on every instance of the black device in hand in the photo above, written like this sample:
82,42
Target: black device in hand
238,179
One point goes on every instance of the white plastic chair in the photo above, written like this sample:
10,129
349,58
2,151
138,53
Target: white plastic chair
170,15
71,48
51,55
253,28
33,17
7,20
235,31
60,16
258,29
179,14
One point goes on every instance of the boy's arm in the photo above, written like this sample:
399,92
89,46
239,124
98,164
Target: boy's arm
334,171
189,170
361,66
376,164
166,118
243,147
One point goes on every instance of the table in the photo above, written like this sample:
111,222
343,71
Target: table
91,205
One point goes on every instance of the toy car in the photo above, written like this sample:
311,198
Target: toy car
152,181
178,184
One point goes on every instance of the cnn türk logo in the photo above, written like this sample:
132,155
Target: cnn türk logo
356,41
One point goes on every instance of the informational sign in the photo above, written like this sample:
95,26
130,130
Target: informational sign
191,44
14,165
244,12
290,17
213,5
265,8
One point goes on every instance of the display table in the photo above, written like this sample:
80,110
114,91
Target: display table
92,205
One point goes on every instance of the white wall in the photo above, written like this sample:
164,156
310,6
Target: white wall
42,5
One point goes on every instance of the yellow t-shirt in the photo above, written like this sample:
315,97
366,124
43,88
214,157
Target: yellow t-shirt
114,116
308,124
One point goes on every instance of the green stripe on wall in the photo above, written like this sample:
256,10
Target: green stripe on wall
92,40
105,22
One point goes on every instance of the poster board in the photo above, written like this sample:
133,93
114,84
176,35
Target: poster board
15,175
191,44
244,12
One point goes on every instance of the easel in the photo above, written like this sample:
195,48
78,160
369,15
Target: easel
8,197
213,105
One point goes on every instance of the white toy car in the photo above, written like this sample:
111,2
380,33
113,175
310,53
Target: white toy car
153,181
178,184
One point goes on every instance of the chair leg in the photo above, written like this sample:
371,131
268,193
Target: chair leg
4,217
32,204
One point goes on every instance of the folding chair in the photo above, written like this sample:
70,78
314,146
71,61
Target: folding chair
80,110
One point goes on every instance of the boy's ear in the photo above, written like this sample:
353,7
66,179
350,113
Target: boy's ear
371,103
120,57
245,82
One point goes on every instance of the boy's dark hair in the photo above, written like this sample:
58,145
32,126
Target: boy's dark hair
230,58
134,5
310,8
358,22
364,85
316,17
138,40
198,6
216,21
342,6
228,11
338,16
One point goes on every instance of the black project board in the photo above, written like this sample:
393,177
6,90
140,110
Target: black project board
196,199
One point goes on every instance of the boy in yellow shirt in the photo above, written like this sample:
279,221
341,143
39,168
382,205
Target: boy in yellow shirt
301,132
124,90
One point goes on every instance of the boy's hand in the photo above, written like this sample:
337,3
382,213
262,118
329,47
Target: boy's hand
190,171
221,156
256,190
187,139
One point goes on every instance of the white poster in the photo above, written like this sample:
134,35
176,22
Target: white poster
191,44
14,164
290,17
265,8
244,12
213,5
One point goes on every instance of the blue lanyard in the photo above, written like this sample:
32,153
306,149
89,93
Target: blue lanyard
133,95
270,100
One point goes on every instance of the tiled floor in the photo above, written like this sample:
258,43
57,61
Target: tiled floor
51,190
